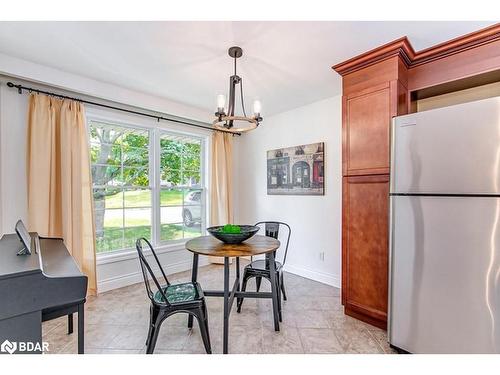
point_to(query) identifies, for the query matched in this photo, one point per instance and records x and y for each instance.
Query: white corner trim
(322, 277)
(136, 277)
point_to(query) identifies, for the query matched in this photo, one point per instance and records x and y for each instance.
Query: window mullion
(204, 188)
(123, 193)
(155, 194)
(183, 188)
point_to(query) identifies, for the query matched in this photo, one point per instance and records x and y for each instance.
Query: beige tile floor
(313, 322)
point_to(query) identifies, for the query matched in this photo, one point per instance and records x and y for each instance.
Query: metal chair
(171, 299)
(260, 268)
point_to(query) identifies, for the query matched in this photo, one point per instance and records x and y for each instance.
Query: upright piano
(36, 287)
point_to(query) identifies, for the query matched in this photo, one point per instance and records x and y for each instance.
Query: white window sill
(119, 256)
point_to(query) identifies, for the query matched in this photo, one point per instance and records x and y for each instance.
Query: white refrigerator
(444, 277)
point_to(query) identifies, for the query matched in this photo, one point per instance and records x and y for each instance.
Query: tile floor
(313, 322)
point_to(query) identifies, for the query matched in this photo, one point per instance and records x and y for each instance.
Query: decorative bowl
(247, 231)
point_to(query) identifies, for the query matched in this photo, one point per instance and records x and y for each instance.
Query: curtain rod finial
(19, 87)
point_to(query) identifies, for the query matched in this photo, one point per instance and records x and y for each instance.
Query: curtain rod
(20, 89)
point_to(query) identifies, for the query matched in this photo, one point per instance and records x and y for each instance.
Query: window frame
(203, 186)
(155, 130)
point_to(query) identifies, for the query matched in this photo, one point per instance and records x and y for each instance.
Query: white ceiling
(285, 64)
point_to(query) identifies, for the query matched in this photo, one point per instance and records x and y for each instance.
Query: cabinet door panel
(367, 125)
(365, 247)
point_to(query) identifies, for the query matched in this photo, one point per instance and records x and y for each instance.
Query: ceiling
(285, 64)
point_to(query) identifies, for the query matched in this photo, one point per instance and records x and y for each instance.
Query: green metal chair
(171, 299)
(260, 268)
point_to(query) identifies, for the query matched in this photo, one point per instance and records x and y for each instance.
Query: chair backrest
(272, 229)
(147, 271)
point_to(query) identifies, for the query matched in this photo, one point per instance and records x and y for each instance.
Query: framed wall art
(296, 170)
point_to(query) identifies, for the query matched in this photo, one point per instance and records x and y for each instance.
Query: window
(136, 169)
(180, 187)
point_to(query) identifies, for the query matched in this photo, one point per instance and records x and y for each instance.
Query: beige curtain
(59, 180)
(221, 191)
(221, 202)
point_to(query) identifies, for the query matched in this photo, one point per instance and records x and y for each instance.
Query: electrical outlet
(322, 256)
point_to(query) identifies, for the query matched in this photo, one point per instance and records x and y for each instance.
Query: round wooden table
(257, 245)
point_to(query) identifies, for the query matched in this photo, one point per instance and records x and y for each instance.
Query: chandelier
(226, 119)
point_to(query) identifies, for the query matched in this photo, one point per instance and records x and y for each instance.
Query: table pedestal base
(235, 292)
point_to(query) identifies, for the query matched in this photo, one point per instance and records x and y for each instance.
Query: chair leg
(239, 302)
(282, 283)
(258, 281)
(154, 330)
(239, 299)
(205, 312)
(150, 324)
(203, 323)
(278, 288)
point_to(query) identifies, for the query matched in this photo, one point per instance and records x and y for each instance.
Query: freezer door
(454, 149)
(444, 294)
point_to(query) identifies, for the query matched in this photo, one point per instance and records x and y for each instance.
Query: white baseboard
(136, 277)
(322, 277)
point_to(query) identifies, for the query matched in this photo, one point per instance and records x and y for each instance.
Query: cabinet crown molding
(402, 47)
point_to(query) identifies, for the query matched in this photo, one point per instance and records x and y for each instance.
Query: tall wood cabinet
(377, 86)
(370, 101)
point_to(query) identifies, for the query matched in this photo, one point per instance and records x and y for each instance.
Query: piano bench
(69, 310)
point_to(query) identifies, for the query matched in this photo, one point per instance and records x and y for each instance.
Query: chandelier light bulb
(257, 107)
(221, 102)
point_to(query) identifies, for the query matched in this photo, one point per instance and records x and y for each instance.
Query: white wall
(18, 68)
(13, 187)
(315, 220)
(112, 272)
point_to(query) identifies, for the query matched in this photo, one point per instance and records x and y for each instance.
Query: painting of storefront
(296, 170)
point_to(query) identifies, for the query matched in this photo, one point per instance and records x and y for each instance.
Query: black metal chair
(260, 268)
(171, 299)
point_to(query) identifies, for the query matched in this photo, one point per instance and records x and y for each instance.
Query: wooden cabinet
(365, 247)
(372, 96)
(367, 128)
(377, 86)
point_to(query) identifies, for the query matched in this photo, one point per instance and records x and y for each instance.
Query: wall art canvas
(296, 170)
